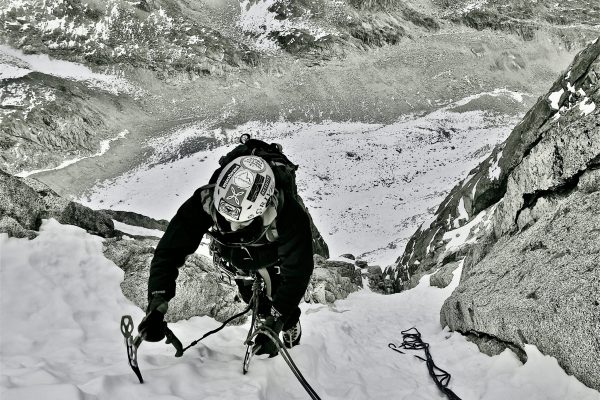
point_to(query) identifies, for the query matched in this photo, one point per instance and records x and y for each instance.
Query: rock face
(332, 280)
(525, 223)
(443, 276)
(525, 18)
(201, 289)
(25, 202)
(131, 218)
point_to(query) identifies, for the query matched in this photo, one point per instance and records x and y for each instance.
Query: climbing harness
(411, 340)
(259, 285)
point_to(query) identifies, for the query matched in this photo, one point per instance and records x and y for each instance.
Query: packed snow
(367, 186)
(61, 306)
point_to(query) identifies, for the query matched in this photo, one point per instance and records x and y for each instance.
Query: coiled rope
(411, 340)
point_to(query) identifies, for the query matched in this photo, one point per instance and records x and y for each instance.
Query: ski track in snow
(60, 310)
(367, 186)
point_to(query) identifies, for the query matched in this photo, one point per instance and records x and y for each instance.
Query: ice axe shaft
(133, 343)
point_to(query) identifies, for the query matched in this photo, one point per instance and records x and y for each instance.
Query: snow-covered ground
(367, 186)
(61, 306)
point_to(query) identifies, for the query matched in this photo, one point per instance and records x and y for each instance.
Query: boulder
(28, 201)
(200, 288)
(332, 280)
(135, 219)
(443, 276)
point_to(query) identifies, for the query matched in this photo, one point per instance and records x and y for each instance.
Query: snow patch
(257, 20)
(554, 98)
(585, 107)
(467, 233)
(495, 170)
(137, 230)
(78, 352)
(8, 71)
(462, 213)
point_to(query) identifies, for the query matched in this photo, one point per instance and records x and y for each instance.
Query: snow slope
(60, 311)
(367, 186)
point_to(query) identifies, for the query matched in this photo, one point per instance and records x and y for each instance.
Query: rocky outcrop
(525, 225)
(526, 19)
(540, 286)
(25, 202)
(135, 219)
(200, 288)
(443, 276)
(165, 39)
(332, 280)
(470, 206)
(203, 290)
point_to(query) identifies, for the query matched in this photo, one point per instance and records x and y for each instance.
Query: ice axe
(132, 343)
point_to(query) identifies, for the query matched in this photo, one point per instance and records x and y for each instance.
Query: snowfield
(61, 306)
(367, 186)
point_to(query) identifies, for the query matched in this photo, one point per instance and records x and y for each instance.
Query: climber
(251, 213)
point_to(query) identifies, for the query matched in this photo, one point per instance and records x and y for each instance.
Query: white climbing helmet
(244, 188)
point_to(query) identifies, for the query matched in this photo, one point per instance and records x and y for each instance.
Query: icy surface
(367, 186)
(79, 352)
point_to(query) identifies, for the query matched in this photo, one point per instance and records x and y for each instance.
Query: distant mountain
(146, 66)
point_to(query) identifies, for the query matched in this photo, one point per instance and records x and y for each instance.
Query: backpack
(283, 169)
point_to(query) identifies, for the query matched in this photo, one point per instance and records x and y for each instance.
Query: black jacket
(186, 229)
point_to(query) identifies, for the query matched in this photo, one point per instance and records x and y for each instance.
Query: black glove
(263, 344)
(153, 324)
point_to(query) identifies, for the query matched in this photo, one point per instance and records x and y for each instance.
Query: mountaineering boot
(292, 336)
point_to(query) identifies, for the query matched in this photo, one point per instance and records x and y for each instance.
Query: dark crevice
(492, 345)
(562, 190)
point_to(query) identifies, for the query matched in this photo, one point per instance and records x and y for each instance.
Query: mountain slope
(525, 224)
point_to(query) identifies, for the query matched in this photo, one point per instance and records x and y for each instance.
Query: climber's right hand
(153, 325)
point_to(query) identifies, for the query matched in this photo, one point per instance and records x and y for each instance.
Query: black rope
(411, 340)
(207, 334)
(288, 359)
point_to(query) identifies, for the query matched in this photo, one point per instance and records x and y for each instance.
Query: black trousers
(264, 304)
